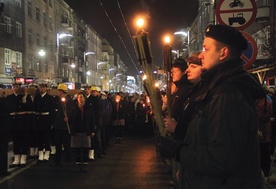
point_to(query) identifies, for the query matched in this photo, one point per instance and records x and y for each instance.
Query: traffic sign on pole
(249, 55)
(236, 13)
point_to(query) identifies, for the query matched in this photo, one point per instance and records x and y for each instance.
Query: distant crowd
(49, 128)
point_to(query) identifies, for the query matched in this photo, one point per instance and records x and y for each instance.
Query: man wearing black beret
(220, 149)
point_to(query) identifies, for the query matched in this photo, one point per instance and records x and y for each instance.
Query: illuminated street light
(41, 53)
(181, 33)
(167, 39)
(73, 65)
(140, 22)
(174, 51)
(88, 73)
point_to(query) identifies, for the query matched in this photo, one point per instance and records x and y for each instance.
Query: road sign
(249, 55)
(236, 13)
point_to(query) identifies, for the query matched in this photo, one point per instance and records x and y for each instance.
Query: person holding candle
(63, 109)
(118, 116)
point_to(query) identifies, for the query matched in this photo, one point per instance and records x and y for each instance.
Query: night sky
(164, 16)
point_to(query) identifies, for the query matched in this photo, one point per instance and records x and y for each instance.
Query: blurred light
(181, 33)
(140, 22)
(64, 35)
(41, 53)
(88, 73)
(174, 51)
(167, 39)
(144, 77)
(73, 65)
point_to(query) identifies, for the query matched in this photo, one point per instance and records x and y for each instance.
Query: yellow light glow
(140, 22)
(144, 77)
(156, 84)
(63, 99)
(167, 39)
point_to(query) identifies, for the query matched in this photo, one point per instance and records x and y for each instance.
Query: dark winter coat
(221, 148)
(59, 123)
(179, 97)
(82, 124)
(121, 112)
(43, 105)
(20, 116)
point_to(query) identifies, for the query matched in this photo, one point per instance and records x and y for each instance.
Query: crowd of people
(220, 132)
(61, 129)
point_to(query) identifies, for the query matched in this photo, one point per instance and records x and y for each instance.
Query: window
(46, 66)
(7, 24)
(50, 23)
(45, 41)
(8, 57)
(18, 29)
(17, 3)
(18, 59)
(31, 62)
(30, 9)
(44, 19)
(50, 3)
(30, 36)
(38, 65)
(37, 39)
(37, 14)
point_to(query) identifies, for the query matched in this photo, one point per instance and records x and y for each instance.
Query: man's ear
(224, 53)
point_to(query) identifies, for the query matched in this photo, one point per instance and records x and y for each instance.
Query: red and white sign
(250, 54)
(236, 13)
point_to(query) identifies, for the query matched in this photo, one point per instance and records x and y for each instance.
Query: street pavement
(132, 164)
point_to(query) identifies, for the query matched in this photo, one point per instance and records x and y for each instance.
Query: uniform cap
(42, 84)
(93, 88)
(63, 87)
(87, 86)
(98, 89)
(227, 35)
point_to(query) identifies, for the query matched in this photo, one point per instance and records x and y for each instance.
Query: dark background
(163, 17)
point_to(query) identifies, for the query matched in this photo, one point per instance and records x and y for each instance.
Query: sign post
(236, 13)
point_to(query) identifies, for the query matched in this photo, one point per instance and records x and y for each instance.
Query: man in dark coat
(221, 147)
(20, 124)
(63, 109)
(44, 110)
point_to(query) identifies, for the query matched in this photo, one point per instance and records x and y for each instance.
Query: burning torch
(65, 113)
(167, 61)
(143, 52)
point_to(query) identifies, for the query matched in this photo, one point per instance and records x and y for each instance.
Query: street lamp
(183, 35)
(60, 36)
(41, 53)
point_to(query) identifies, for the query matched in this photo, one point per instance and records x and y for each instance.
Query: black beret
(180, 63)
(227, 35)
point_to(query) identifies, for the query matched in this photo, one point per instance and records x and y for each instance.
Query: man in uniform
(43, 107)
(20, 125)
